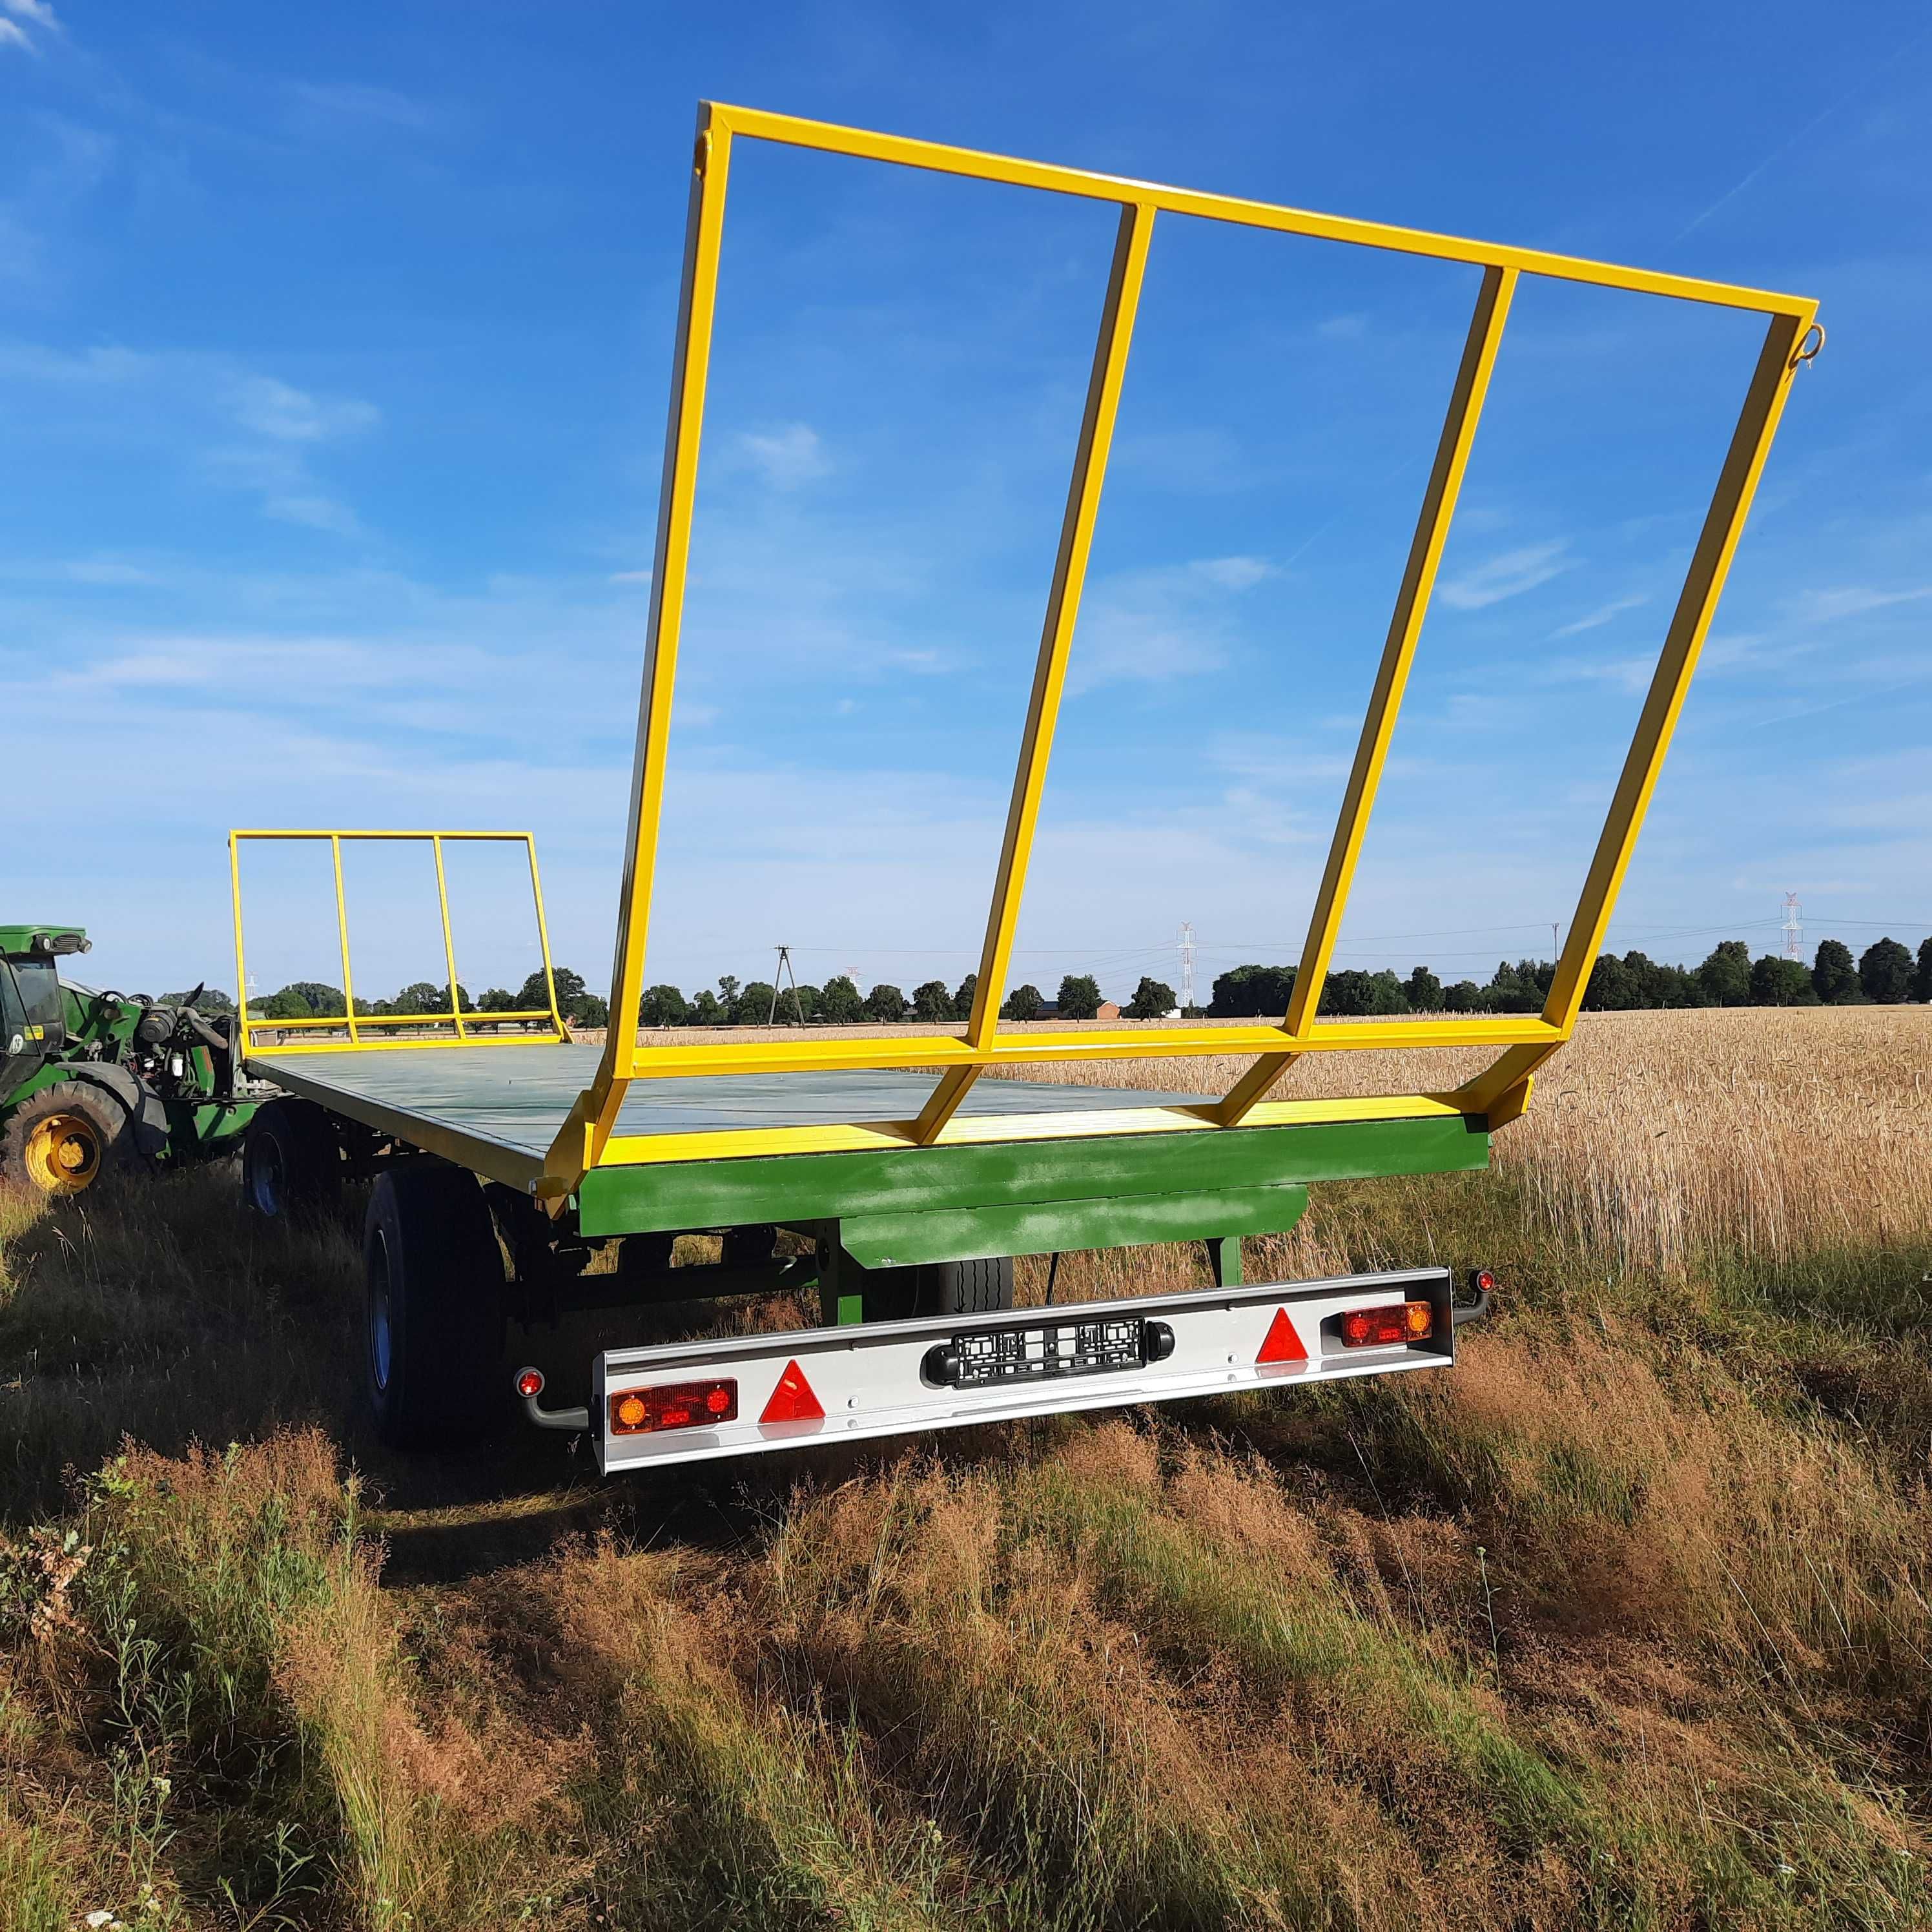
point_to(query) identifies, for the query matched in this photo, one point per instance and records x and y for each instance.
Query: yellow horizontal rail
(829, 139)
(1016, 1049)
(983, 1130)
(281, 831)
(474, 1016)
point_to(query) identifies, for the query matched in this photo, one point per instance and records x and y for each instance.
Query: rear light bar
(699, 1404)
(690, 1401)
(1386, 1326)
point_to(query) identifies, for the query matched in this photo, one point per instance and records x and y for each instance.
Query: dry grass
(1624, 1622)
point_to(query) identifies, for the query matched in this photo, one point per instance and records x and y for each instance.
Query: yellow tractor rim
(63, 1154)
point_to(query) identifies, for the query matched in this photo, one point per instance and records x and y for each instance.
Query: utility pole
(1187, 965)
(779, 972)
(1794, 928)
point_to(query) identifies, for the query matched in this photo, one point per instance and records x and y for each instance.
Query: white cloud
(1342, 328)
(1508, 575)
(1631, 674)
(350, 100)
(630, 576)
(106, 571)
(241, 427)
(1152, 624)
(37, 12)
(1200, 459)
(278, 474)
(272, 408)
(1260, 758)
(1235, 573)
(1602, 615)
(313, 512)
(787, 457)
(1823, 607)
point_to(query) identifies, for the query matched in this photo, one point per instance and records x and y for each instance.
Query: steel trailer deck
(518, 1102)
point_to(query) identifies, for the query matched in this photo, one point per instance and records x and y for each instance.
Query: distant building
(1108, 1010)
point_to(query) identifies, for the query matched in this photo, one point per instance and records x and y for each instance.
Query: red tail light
(674, 1406)
(1381, 1328)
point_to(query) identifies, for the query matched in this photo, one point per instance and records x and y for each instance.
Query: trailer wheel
(434, 1324)
(980, 1287)
(973, 1287)
(291, 1160)
(63, 1139)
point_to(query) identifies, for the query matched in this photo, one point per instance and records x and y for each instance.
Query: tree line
(839, 1003)
(317, 1000)
(1884, 974)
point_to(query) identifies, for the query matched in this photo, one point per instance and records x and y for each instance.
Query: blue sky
(333, 345)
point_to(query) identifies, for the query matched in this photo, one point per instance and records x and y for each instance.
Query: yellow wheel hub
(63, 1154)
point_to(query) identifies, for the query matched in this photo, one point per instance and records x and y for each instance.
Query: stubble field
(1625, 1622)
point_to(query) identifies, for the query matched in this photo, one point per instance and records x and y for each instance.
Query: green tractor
(93, 1082)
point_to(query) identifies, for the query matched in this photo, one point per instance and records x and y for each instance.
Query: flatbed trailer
(506, 1154)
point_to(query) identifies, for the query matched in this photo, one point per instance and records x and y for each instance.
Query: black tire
(973, 1288)
(291, 1161)
(749, 1247)
(644, 1258)
(65, 1140)
(982, 1287)
(433, 1310)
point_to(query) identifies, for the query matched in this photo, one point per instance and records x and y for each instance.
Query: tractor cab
(33, 1027)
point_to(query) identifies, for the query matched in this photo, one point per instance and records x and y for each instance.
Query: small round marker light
(530, 1383)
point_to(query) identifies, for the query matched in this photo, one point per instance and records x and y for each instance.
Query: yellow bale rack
(590, 1137)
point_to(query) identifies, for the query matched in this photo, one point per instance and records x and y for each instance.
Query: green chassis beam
(1046, 1227)
(1101, 1170)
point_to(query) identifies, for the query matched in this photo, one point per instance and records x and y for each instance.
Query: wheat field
(1625, 1622)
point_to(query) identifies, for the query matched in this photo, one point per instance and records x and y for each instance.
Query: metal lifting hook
(1808, 348)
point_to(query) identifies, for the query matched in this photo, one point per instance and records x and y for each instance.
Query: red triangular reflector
(793, 1400)
(1282, 1343)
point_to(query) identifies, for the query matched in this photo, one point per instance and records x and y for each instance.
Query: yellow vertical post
(1710, 561)
(704, 223)
(1411, 607)
(342, 937)
(241, 964)
(449, 944)
(1063, 609)
(543, 934)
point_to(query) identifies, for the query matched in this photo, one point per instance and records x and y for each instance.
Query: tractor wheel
(434, 1308)
(291, 1161)
(63, 1139)
(940, 1287)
